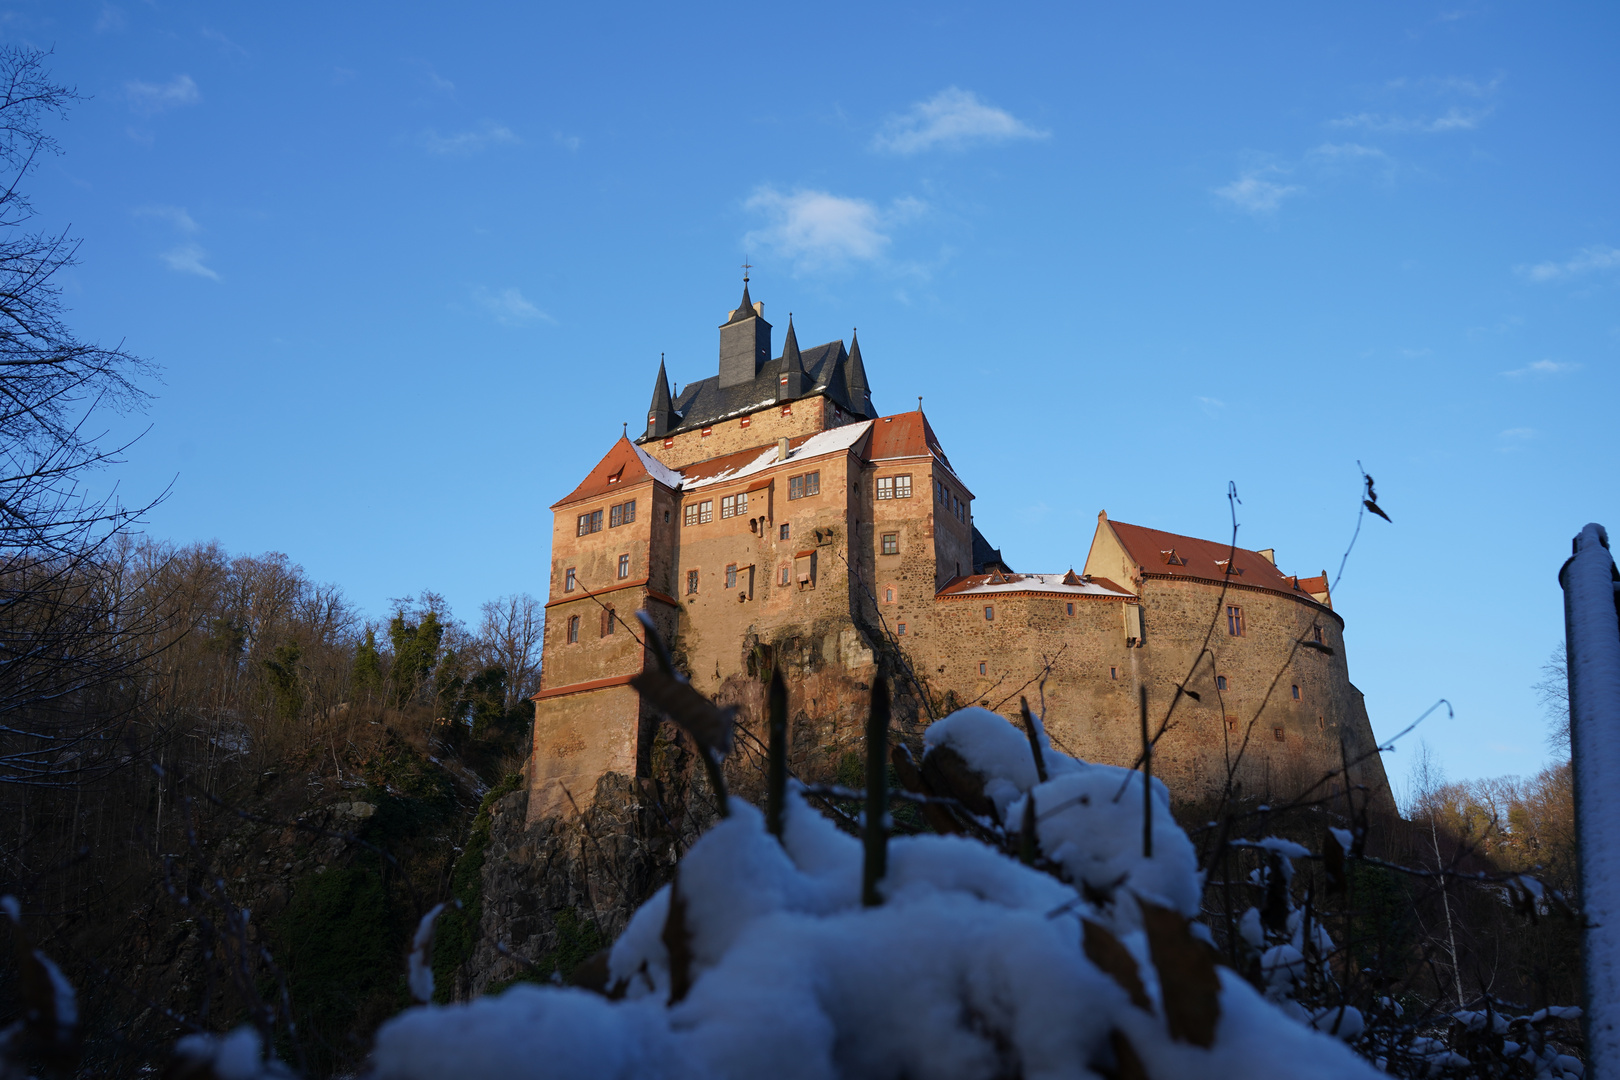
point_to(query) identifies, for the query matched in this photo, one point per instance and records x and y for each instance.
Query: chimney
(1268, 554)
(781, 449)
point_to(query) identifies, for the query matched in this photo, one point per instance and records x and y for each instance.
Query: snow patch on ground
(974, 965)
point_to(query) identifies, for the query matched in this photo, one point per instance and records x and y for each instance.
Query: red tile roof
(620, 468)
(1204, 560)
(905, 435)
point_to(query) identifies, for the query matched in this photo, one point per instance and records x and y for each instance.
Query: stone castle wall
(827, 634)
(758, 429)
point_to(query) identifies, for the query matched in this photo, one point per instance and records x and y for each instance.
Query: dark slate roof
(705, 402)
(745, 310)
(986, 557)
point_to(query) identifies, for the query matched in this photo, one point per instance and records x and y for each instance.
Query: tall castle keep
(768, 514)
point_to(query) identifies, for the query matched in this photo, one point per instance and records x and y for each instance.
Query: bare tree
(510, 632)
(61, 630)
(1552, 691)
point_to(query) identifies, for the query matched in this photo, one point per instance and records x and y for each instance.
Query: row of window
(701, 513)
(609, 620)
(591, 522)
(571, 580)
(1237, 627)
(946, 498)
(803, 568)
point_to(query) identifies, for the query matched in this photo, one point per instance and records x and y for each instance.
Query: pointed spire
(791, 380)
(860, 392)
(745, 310)
(661, 413)
(792, 360)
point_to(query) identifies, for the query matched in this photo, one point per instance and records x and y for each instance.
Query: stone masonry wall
(758, 429)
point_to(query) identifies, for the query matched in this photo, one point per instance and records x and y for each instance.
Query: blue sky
(407, 270)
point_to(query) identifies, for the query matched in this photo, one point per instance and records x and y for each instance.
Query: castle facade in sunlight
(770, 516)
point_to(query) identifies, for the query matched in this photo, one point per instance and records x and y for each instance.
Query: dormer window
(1172, 559)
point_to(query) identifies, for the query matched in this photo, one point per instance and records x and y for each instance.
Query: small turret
(860, 393)
(661, 413)
(791, 380)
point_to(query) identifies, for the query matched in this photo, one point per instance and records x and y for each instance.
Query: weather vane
(747, 266)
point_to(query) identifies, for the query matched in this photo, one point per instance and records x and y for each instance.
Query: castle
(768, 515)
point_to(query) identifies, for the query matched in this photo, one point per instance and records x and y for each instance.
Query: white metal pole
(1592, 629)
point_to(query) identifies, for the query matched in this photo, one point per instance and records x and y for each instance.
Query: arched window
(573, 629)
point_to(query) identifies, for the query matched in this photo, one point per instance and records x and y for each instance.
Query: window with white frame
(802, 487)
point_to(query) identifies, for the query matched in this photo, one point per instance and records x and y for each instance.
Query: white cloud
(226, 45)
(509, 307)
(150, 98)
(1543, 367)
(1346, 152)
(1517, 434)
(1453, 119)
(567, 142)
(1586, 260)
(1255, 194)
(110, 21)
(817, 228)
(487, 134)
(174, 215)
(188, 259)
(1210, 406)
(951, 118)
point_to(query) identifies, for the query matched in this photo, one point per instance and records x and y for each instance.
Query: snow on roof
(984, 584)
(658, 470)
(824, 442)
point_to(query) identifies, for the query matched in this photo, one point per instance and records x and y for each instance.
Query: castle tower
(745, 343)
(612, 552)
